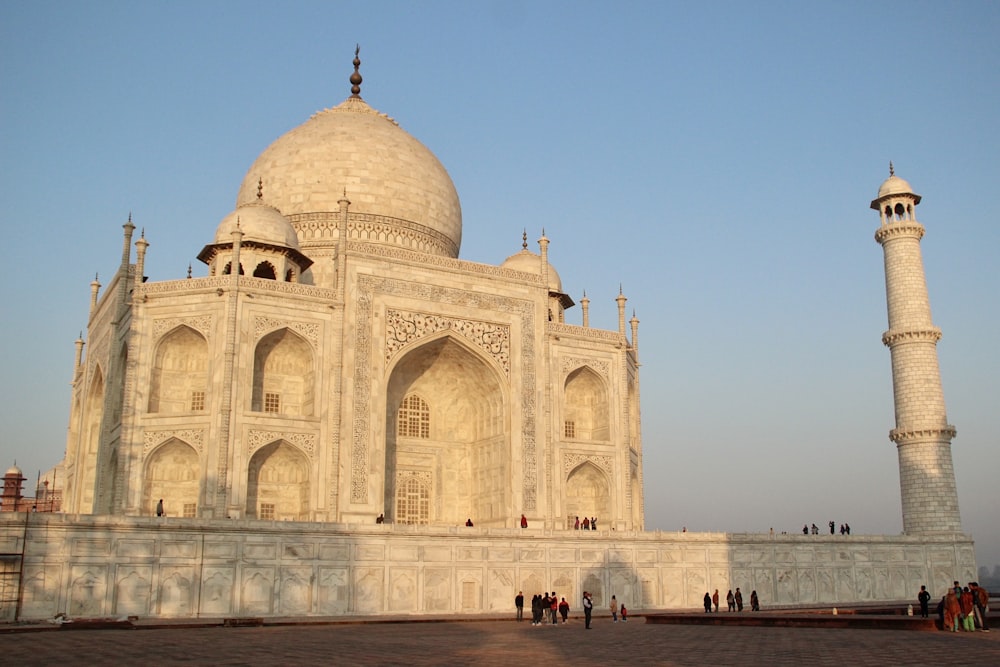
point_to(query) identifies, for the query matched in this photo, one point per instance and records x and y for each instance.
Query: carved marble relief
(404, 327)
(153, 439)
(264, 325)
(202, 324)
(306, 442)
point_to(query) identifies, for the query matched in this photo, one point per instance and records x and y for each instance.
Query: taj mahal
(323, 410)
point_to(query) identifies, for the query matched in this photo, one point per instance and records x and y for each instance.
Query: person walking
(553, 607)
(715, 600)
(739, 599)
(614, 608)
(159, 508)
(624, 614)
(754, 601)
(924, 598)
(731, 600)
(519, 605)
(564, 609)
(588, 609)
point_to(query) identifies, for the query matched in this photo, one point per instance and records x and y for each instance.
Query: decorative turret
(922, 434)
(621, 299)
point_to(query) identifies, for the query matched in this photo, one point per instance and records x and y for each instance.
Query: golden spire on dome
(524, 239)
(260, 189)
(356, 77)
(892, 171)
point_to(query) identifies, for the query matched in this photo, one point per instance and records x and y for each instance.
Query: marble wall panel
(295, 594)
(498, 592)
(470, 590)
(88, 589)
(369, 589)
(531, 555)
(258, 552)
(175, 549)
(438, 594)
(220, 550)
(176, 591)
(135, 548)
(90, 547)
(435, 554)
(564, 583)
(217, 591)
(672, 581)
(257, 591)
(648, 588)
(40, 591)
(298, 550)
(470, 553)
(500, 554)
(403, 589)
(334, 591)
(334, 552)
(533, 581)
(133, 591)
(645, 556)
(404, 553)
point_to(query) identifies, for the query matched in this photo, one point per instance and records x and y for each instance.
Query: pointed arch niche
(278, 483)
(284, 375)
(179, 379)
(91, 439)
(460, 455)
(588, 493)
(173, 473)
(586, 415)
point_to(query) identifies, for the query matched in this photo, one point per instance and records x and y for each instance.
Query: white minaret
(922, 434)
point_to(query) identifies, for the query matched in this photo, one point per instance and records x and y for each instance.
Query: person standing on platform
(159, 508)
(564, 609)
(739, 599)
(715, 600)
(924, 598)
(588, 609)
(614, 608)
(519, 605)
(708, 603)
(730, 600)
(754, 601)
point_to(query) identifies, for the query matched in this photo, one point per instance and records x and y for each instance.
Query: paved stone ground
(495, 642)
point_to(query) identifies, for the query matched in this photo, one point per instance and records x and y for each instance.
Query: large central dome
(399, 191)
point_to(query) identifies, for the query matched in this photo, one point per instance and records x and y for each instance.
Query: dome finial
(260, 189)
(892, 171)
(356, 77)
(524, 239)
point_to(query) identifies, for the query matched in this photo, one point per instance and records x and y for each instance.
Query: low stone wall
(93, 566)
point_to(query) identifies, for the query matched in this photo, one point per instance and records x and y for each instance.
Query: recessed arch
(588, 493)
(466, 454)
(179, 378)
(284, 375)
(265, 270)
(278, 483)
(173, 474)
(586, 413)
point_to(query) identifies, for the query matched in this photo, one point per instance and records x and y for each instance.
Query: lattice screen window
(569, 429)
(413, 502)
(197, 401)
(414, 420)
(267, 511)
(272, 402)
(190, 510)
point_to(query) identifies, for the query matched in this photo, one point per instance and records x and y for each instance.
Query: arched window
(228, 269)
(414, 418)
(413, 502)
(264, 270)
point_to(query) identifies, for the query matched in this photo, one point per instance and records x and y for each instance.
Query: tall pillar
(922, 434)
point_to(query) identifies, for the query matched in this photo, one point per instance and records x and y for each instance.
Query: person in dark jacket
(708, 603)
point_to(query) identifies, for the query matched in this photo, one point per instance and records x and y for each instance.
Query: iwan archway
(447, 449)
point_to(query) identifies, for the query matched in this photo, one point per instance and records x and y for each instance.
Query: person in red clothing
(968, 610)
(524, 521)
(624, 614)
(564, 609)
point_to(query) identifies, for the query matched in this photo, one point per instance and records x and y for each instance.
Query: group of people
(962, 608)
(734, 601)
(548, 608)
(541, 605)
(588, 523)
(845, 529)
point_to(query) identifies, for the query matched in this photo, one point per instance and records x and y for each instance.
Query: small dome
(894, 185)
(13, 471)
(530, 262)
(259, 223)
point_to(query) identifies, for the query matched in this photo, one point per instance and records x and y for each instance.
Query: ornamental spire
(356, 77)
(892, 171)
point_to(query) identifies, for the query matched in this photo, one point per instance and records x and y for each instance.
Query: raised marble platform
(93, 566)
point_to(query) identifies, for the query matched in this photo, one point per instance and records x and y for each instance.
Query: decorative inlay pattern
(402, 328)
(262, 325)
(192, 436)
(202, 324)
(304, 441)
(402, 476)
(261, 285)
(584, 332)
(571, 461)
(364, 364)
(931, 335)
(572, 363)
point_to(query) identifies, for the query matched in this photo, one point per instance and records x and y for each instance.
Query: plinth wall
(95, 566)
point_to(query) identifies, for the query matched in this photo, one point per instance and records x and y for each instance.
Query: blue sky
(715, 160)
